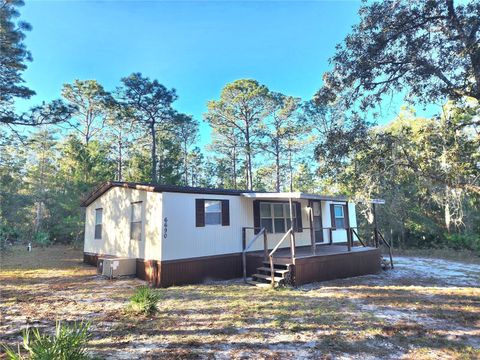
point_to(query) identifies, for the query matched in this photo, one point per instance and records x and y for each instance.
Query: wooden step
(258, 283)
(267, 277)
(278, 263)
(268, 270)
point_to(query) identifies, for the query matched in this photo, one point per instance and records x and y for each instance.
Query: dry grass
(379, 316)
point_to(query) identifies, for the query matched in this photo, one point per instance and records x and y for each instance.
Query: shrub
(42, 239)
(464, 242)
(68, 343)
(145, 300)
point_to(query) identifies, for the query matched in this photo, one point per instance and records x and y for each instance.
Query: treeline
(133, 133)
(427, 169)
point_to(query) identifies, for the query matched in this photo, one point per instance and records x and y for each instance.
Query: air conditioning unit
(114, 267)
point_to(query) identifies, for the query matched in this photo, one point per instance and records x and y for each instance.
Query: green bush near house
(145, 300)
(68, 343)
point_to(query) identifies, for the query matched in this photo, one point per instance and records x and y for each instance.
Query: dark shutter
(332, 215)
(225, 213)
(256, 215)
(199, 212)
(298, 211)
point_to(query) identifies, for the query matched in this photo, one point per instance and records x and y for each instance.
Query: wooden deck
(329, 262)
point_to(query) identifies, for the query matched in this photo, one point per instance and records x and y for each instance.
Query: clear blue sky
(196, 47)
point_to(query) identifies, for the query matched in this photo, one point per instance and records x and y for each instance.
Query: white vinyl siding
(116, 224)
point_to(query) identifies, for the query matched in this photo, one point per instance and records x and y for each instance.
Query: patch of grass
(68, 343)
(145, 300)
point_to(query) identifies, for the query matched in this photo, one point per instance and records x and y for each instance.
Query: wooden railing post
(244, 256)
(312, 233)
(265, 245)
(272, 272)
(349, 245)
(244, 238)
(292, 230)
(330, 235)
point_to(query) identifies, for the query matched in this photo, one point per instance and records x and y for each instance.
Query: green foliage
(68, 343)
(388, 52)
(425, 169)
(145, 300)
(464, 241)
(41, 239)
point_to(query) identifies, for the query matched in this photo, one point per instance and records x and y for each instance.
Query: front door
(317, 221)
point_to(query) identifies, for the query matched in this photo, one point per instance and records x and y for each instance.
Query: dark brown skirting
(149, 270)
(197, 270)
(336, 266)
(90, 258)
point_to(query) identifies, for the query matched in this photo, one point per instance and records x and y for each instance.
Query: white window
(339, 216)
(275, 217)
(98, 223)
(213, 212)
(136, 221)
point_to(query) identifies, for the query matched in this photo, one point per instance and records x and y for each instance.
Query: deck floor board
(321, 250)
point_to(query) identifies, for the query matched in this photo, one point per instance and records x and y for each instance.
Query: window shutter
(225, 213)
(256, 215)
(332, 215)
(345, 214)
(298, 210)
(199, 212)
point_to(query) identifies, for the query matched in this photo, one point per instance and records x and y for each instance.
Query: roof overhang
(293, 195)
(103, 188)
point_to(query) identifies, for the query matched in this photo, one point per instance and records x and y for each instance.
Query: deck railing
(352, 232)
(389, 246)
(292, 249)
(246, 246)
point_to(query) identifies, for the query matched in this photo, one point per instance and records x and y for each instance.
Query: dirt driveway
(424, 309)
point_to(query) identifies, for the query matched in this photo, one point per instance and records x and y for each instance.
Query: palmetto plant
(68, 343)
(145, 300)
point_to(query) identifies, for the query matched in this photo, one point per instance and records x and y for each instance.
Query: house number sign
(165, 227)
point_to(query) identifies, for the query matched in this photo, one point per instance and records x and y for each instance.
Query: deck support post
(292, 233)
(375, 227)
(312, 234)
(347, 227)
(265, 245)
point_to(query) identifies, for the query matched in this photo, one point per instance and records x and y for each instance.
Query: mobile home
(183, 235)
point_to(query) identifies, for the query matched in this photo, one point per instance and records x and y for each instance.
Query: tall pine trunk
(154, 151)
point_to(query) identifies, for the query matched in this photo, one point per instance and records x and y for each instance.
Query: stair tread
(258, 283)
(267, 277)
(283, 271)
(277, 263)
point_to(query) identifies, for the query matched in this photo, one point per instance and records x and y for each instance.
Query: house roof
(100, 190)
(293, 195)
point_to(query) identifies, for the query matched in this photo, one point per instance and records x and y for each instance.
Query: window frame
(335, 217)
(272, 217)
(133, 223)
(220, 212)
(98, 227)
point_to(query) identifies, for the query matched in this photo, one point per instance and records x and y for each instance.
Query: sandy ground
(423, 309)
